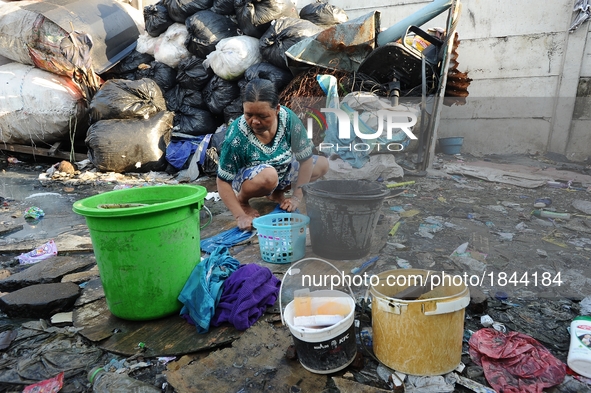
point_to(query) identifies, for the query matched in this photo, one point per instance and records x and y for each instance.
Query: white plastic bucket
(321, 349)
(328, 349)
(579, 354)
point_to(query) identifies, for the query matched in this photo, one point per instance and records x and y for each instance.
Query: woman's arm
(304, 175)
(243, 220)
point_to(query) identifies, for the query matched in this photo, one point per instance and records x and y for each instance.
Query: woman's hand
(291, 204)
(244, 222)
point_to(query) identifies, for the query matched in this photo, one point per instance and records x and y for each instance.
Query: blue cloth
(179, 151)
(203, 289)
(228, 238)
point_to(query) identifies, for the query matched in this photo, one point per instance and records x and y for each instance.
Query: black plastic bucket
(343, 216)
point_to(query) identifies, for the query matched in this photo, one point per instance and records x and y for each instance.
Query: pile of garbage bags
(182, 81)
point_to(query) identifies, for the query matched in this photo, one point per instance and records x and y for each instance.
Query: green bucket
(146, 244)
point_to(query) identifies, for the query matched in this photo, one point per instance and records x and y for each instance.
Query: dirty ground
(434, 216)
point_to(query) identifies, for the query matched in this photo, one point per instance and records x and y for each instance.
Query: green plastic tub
(146, 244)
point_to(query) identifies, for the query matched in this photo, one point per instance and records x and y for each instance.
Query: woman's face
(261, 116)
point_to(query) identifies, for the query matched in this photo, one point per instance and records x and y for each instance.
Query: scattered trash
(397, 209)
(549, 214)
(509, 358)
(542, 253)
(553, 240)
(506, 236)
(13, 160)
(497, 208)
(403, 263)
(500, 295)
(465, 200)
(213, 195)
(103, 381)
(472, 385)
(166, 359)
(34, 213)
(51, 385)
(394, 229)
(542, 202)
(409, 213)
(487, 321)
(401, 184)
(40, 253)
(580, 242)
(434, 384)
(364, 265)
(521, 226)
(556, 184)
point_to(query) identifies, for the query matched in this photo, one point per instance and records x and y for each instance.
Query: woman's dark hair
(260, 90)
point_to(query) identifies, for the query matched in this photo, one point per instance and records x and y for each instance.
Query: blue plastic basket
(282, 236)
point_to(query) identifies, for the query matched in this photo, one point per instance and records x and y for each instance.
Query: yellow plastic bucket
(419, 337)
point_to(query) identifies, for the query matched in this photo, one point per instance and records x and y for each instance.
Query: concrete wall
(531, 88)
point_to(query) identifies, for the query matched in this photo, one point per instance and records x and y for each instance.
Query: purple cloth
(246, 295)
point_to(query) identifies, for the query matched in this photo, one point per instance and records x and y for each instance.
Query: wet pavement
(531, 273)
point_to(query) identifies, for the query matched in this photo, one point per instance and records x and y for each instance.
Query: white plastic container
(579, 354)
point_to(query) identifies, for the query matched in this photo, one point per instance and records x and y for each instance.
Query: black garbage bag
(191, 74)
(279, 76)
(323, 14)
(220, 93)
(233, 111)
(178, 97)
(130, 145)
(223, 7)
(254, 16)
(206, 29)
(282, 34)
(180, 10)
(195, 121)
(162, 74)
(125, 99)
(156, 19)
(130, 64)
(192, 116)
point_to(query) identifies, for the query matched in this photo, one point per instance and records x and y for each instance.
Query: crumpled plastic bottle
(107, 382)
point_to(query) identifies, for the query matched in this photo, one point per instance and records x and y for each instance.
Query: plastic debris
(508, 361)
(364, 265)
(472, 385)
(403, 263)
(34, 213)
(41, 253)
(51, 385)
(542, 202)
(212, 195)
(13, 160)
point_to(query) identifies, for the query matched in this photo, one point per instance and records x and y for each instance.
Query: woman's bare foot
(277, 196)
(249, 210)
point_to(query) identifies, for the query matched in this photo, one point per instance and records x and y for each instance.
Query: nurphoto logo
(395, 121)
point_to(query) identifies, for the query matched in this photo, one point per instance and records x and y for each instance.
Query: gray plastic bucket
(343, 216)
